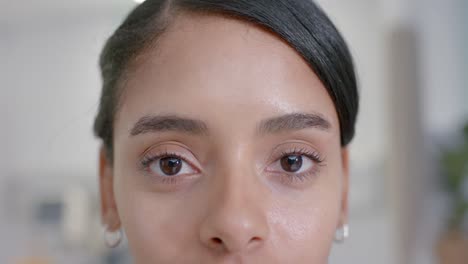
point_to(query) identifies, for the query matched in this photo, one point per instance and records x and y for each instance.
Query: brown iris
(170, 165)
(291, 163)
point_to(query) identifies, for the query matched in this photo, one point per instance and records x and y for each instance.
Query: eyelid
(154, 154)
(291, 146)
(314, 157)
(170, 180)
(295, 179)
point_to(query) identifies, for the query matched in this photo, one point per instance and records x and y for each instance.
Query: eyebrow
(283, 123)
(162, 123)
(293, 121)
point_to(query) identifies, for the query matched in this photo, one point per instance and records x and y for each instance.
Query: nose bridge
(235, 174)
(237, 184)
(237, 192)
(235, 215)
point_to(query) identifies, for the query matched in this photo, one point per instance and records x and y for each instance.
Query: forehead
(221, 70)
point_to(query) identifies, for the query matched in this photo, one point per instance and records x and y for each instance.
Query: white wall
(3, 154)
(443, 28)
(444, 108)
(49, 94)
(52, 87)
(443, 70)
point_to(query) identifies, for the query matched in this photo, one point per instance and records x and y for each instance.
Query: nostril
(217, 240)
(217, 243)
(253, 239)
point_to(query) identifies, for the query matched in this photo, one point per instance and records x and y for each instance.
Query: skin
(233, 201)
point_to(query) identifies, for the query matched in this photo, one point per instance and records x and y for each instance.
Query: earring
(342, 234)
(112, 239)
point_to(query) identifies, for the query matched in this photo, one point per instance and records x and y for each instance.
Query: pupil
(170, 165)
(291, 163)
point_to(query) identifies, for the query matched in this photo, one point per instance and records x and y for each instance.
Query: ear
(109, 213)
(344, 186)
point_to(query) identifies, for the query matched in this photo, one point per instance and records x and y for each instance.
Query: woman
(225, 127)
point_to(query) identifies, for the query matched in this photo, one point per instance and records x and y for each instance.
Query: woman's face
(226, 150)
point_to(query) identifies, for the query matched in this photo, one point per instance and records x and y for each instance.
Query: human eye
(296, 165)
(167, 167)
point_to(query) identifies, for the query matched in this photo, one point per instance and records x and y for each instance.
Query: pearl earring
(342, 234)
(112, 239)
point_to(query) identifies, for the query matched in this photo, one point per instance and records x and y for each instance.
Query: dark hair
(301, 23)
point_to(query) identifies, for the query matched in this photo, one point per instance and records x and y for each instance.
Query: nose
(235, 220)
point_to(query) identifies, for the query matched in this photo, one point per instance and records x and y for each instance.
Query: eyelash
(148, 159)
(314, 156)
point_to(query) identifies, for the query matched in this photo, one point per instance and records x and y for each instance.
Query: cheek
(156, 228)
(304, 228)
(303, 233)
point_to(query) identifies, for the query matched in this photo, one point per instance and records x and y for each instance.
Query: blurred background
(409, 168)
